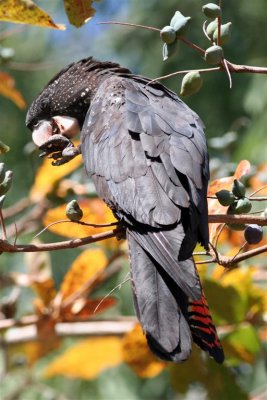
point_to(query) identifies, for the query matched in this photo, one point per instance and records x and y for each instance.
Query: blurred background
(235, 121)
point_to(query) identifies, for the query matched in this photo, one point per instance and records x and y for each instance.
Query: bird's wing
(149, 150)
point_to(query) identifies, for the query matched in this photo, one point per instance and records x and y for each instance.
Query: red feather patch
(203, 330)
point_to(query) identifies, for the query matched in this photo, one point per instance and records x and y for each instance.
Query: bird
(146, 152)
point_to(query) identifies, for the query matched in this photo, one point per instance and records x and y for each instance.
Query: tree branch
(7, 247)
(28, 333)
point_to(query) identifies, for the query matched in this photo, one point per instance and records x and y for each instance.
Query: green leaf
(226, 302)
(242, 344)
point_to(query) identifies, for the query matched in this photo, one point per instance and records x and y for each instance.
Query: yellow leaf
(87, 359)
(7, 89)
(87, 266)
(79, 11)
(45, 290)
(95, 211)
(137, 355)
(26, 12)
(48, 176)
(33, 351)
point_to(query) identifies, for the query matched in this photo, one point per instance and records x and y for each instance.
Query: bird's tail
(170, 313)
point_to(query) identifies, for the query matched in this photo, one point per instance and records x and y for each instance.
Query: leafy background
(122, 367)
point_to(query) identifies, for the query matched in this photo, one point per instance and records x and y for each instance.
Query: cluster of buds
(238, 203)
(215, 31)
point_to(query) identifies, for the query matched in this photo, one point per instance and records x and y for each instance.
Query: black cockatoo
(146, 152)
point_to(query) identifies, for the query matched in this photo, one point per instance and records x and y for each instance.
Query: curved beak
(60, 125)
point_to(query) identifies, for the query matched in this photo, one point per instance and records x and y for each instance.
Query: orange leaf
(259, 180)
(79, 11)
(87, 359)
(87, 267)
(7, 89)
(242, 169)
(137, 355)
(48, 176)
(95, 211)
(26, 12)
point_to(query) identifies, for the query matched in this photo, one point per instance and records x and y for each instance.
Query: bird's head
(61, 107)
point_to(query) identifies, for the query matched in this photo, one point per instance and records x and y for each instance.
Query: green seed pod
(241, 206)
(169, 49)
(225, 33)
(191, 83)
(236, 227)
(212, 10)
(225, 197)
(2, 199)
(7, 182)
(214, 55)
(73, 211)
(2, 171)
(238, 189)
(3, 148)
(180, 24)
(211, 28)
(168, 34)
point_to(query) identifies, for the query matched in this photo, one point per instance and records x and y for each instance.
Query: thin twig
(2, 223)
(257, 191)
(228, 72)
(76, 222)
(219, 20)
(202, 70)
(192, 45)
(150, 28)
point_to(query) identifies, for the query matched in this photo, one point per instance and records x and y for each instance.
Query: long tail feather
(203, 330)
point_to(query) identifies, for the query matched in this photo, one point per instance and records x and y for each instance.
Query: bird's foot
(60, 149)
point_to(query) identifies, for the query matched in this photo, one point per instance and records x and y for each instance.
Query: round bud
(214, 55)
(180, 24)
(191, 83)
(238, 189)
(212, 10)
(225, 197)
(73, 211)
(168, 34)
(225, 33)
(253, 234)
(240, 206)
